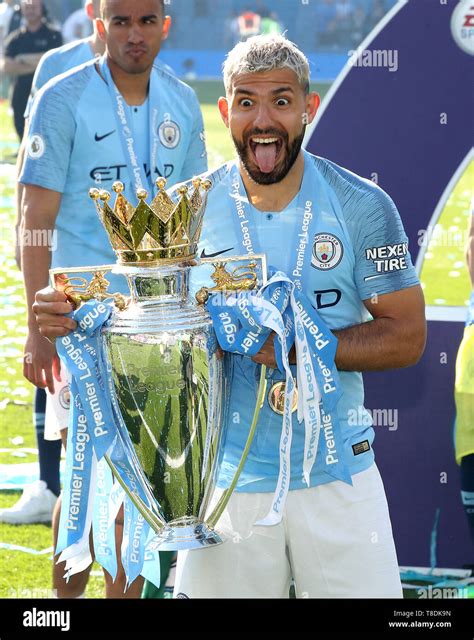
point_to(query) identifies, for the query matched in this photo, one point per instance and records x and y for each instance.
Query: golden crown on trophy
(150, 233)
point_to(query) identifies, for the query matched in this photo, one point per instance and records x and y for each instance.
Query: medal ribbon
(123, 118)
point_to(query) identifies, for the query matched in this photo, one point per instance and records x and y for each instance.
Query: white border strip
(348, 66)
(437, 571)
(446, 314)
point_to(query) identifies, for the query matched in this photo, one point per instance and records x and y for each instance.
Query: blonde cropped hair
(265, 53)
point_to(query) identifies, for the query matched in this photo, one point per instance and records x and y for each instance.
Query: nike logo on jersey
(214, 255)
(373, 277)
(99, 138)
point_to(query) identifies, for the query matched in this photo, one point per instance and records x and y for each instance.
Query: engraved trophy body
(170, 385)
(168, 376)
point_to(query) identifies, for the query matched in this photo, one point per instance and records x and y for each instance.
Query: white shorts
(335, 541)
(57, 407)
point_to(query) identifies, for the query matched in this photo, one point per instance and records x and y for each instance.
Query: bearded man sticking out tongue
(265, 116)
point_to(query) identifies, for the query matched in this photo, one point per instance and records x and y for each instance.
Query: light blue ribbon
(103, 529)
(122, 113)
(243, 323)
(96, 429)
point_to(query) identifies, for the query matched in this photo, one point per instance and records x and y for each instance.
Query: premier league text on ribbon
(303, 244)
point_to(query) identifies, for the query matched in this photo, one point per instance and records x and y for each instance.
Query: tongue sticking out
(266, 155)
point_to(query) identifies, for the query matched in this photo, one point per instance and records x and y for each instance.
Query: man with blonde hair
(327, 230)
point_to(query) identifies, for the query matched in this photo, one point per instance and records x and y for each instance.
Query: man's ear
(99, 23)
(313, 102)
(166, 27)
(90, 10)
(223, 105)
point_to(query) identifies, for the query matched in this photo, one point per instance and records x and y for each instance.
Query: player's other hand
(50, 308)
(266, 355)
(41, 363)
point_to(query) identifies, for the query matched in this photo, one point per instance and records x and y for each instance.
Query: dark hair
(102, 2)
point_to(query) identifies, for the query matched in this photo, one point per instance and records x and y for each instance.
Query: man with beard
(333, 537)
(77, 137)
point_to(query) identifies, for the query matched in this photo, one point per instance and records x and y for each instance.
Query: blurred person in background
(23, 50)
(250, 24)
(270, 24)
(77, 26)
(6, 13)
(231, 31)
(464, 397)
(326, 24)
(17, 20)
(344, 22)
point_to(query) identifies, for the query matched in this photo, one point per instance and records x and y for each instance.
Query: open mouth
(266, 151)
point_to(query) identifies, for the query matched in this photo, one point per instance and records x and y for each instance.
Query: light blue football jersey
(359, 249)
(74, 145)
(58, 61)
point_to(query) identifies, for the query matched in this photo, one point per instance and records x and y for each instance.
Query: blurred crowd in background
(325, 28)
(312, 24)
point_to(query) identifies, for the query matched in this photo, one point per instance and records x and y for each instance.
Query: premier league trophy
(169, 377)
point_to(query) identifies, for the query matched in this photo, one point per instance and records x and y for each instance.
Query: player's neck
(275, 197)
(133, 87)
(96, 44)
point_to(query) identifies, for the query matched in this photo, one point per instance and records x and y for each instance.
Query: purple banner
(401, 114)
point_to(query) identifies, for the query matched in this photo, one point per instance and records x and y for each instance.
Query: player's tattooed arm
(395, 338)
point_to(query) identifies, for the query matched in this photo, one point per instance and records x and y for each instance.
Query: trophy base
(176, 537)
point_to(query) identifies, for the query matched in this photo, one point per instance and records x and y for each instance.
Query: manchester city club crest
(170, 134)
(327, 251)
(65, 397)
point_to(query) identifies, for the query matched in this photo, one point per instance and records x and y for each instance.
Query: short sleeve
(43, 73)
(196, 155)
(50, 140)
(382, 260)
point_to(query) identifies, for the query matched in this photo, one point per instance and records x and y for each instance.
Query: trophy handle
(225, 497)
(155, 523)
(79, 289)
